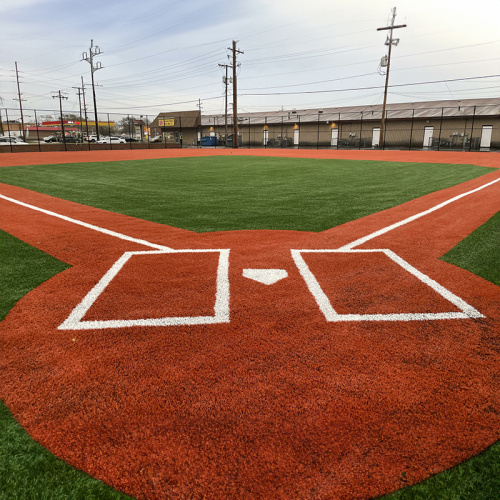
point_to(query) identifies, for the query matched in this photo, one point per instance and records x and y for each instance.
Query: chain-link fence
(469, 128)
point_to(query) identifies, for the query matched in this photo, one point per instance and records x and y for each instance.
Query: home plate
(266, 276)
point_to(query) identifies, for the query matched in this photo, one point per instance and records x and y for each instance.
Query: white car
(5, 140)
(111, 140)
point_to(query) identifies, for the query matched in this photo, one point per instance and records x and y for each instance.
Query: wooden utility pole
(93, 51)
(235, 95)
(225, 80)
(61, 97)
(390, 42)
(85, 110)
(23, 135)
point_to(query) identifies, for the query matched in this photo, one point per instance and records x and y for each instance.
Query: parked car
(111, 140)
(92, 138)
(5, 140)
(157, 138)
(130, 139)
(51, 138)
(73, 140)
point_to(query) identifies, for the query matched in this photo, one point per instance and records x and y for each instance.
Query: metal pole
(298, 145)
(8, 129)
(360, 129)
(472, 128)
(109, 132)
(281, 142)
(440, 128)
(411, 131)
(37, 132)
(317, 140)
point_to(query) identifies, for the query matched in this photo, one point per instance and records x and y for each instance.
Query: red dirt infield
(252, 391)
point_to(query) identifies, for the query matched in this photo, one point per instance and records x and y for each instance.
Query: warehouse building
(468, 124)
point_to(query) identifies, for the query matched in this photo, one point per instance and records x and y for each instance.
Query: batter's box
(157, 288)
(375, 285)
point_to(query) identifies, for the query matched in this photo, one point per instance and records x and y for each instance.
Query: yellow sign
(167, 122)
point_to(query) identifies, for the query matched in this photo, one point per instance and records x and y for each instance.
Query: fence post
(317, 139)
(411, 131)
(149, 132)
(8, 129)
(109, 132)
(37, 132)
(360, 129)
(180, 131)
(298, 145)
(440, 128)
(281, 142)
(339, 132)
(266, 132)
(472, 128)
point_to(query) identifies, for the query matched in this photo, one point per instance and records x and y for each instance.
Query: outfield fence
(465, 128)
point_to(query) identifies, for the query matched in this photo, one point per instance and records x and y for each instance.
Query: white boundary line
(88, 226)
(467, 311)
(221, 306)
(384, 230)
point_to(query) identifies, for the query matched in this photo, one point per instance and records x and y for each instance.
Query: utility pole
(390, 42)
(61, 97)
(235, 95)
(79, 93)
(85, 110)
(23, 135)
(226, 81)
(93, 51)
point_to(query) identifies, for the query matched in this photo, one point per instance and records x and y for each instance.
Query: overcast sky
(163, 55)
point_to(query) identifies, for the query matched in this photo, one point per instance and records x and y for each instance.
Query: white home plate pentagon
(157, 288)
(375, 285)
(265, 276)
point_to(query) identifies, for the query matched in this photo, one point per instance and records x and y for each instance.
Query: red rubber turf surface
(278, 402)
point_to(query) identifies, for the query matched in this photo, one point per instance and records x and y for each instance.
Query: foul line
(88, 226)
(384, 230)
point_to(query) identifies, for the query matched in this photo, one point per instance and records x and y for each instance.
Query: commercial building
(468, 124)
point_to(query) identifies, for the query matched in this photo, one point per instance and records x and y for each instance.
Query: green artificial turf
(226, 193)
(151, 191)
(480, 252)
(27, 470)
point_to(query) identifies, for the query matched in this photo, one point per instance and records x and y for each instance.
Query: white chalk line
(331, 315)
(221, 308)
(88, 226)
(386, 229)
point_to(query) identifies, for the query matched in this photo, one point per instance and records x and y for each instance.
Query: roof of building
(188, 119)
(407, 110)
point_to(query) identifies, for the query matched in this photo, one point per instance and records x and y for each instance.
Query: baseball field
(249, 324)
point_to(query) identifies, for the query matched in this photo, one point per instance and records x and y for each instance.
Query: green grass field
(212, 194)
(224, 193)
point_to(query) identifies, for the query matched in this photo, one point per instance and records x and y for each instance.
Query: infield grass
(224, 193)
(152, 191)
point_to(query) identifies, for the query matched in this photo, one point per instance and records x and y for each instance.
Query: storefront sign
(167, 122)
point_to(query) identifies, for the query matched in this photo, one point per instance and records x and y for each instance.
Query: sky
(164, 55)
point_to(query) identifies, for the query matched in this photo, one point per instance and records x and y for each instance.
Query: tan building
(177, 127)
(468, 124)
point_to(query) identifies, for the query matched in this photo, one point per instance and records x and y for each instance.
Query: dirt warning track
(255, 364)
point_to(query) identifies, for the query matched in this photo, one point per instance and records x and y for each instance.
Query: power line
(370, 88)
